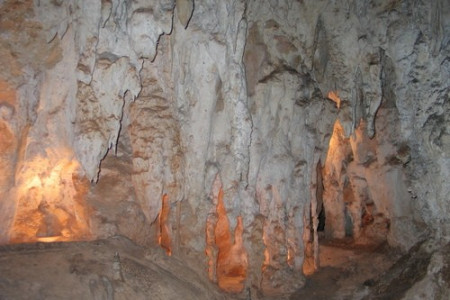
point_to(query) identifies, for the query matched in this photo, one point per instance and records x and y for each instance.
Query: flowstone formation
(221, 130)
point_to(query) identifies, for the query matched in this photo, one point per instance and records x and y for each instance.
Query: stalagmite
(164, 236)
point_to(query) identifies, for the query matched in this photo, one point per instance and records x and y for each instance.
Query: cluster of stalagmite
(225, 127)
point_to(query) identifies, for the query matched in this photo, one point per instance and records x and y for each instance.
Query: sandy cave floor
(118, 269)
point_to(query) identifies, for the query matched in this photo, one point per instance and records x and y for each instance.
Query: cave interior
(224, 149)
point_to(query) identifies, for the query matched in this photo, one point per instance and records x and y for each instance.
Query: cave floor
(106, 269)
(346, 270)
(118, 269)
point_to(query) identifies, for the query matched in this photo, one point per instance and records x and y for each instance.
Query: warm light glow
(231, 268)
(164, 239)
(222, 230)
(33, 182)
(50, 200)
(290, 258)
(336, 138)
(49, 239)
(334, 96)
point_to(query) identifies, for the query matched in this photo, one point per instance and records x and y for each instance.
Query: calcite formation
(226, 127)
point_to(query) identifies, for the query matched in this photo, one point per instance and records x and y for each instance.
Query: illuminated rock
(164, 239)
(120, 117)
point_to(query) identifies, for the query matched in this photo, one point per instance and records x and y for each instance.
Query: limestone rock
(185, 8)
(125, 117)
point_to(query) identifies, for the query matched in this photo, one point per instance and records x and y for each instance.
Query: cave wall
(221, 111)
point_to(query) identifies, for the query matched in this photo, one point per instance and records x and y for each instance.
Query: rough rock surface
(422, 273)
(128, 117)
(104, 269)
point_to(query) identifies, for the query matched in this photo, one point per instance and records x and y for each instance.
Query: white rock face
(164, 99)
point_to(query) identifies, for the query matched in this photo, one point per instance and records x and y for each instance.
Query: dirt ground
(118, 269)
(105, 269)
(346, 270)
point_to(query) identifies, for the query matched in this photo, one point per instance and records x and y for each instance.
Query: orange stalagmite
(222, 230)
(232, 262)
(336, 138)
(164, 239)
